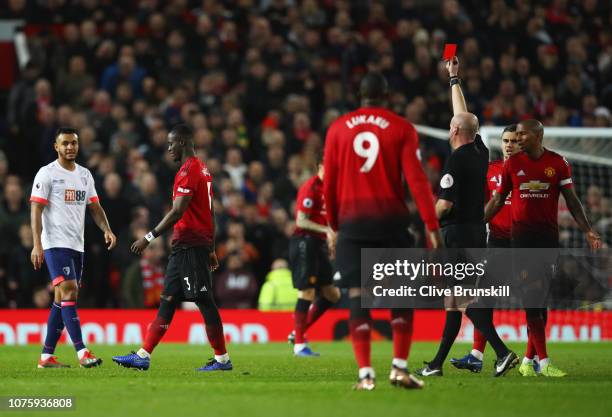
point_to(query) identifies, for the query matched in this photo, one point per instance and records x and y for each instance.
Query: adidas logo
(203, 288)
(521, 173)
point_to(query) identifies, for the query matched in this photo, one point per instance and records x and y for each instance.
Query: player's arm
(498, 199)
(303, 222)
(443, 208)
(37, 256)
(494, 205)
(330, 180)
(457, 98)
(575, 207)
(419, 187)
(99, 216)
(179, 206)
(213, 260)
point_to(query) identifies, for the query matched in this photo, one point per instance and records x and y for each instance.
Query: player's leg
(360, 328)
(402, 320)
(329, 294)
(452, 325)
(300, 316)
(303, 275)
(169, 300)
(55, 326)
(214, 332)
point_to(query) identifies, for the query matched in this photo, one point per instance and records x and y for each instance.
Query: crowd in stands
(259, 82)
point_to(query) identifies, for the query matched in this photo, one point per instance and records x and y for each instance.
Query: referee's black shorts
(348, 254)
(188, 275)
(465, 235)
(309, 261)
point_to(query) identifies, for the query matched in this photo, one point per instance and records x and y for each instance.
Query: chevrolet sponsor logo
(534, 186)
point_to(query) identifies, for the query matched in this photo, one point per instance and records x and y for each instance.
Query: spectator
(277, 293)
(143, 281)
(236, 287)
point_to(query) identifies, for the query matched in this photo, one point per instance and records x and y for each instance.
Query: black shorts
(310, 264)
(494, 242)
(188, 275)
(348, 254)
(465, 235)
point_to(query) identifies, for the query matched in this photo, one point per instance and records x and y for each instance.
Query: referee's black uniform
(463, 183)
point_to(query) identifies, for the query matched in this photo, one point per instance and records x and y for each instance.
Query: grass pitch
(268, 381)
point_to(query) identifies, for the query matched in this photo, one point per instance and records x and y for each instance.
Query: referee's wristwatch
(455, 80)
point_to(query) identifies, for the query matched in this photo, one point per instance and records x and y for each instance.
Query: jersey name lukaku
(310, 202)
(535, 187)
(463, 183)
(195, 228)
(65, 195)
(366, 153)
(501, 224)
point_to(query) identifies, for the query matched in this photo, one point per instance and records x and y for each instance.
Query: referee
(460, 209)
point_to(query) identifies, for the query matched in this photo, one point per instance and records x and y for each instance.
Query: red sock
(401, 326)
(157, 329)
(300, 317)
(530, 353)
(480, 342)
(361, 330)
(216, 338)
(537, 334)
(316, 310)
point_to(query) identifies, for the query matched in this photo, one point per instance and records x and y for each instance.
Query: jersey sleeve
(306, 199)
(417, 180)
(330, 179)
(565, 174)
(448, 182)
(92, 194)
(41, 188)
(188, 181)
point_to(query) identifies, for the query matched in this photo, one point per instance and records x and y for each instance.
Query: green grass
(268, 381)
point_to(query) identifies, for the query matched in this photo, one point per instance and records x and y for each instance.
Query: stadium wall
(20, 327)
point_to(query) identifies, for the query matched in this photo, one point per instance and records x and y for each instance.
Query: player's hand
(140, 245)
(594, 240)
(37, 257)
(332, 238)
(452, 66)
(436, 239)
(213, 261)
(110, 239)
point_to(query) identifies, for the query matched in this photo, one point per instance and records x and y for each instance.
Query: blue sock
(55, 326)
(73, 325)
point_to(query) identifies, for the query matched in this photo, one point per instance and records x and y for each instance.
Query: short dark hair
(182, 132)
(509, 128)
(373, 86)
(66, 131)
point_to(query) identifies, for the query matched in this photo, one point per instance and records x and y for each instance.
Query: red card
(450, 50)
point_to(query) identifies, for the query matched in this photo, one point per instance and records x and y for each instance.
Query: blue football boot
(469, 362)
(133, 361)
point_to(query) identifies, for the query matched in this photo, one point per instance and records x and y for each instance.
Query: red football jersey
(195, 228)
(500, 225)
(310, 202)
(535, 187)
(366, 152)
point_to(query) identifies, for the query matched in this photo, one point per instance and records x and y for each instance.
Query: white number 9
(370, 153)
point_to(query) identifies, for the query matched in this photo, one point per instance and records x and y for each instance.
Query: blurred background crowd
(260, 81)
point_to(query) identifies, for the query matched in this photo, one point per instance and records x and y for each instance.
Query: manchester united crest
(549, 171)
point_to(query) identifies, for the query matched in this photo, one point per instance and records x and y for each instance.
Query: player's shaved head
(466, 122)
(182, 133)
(373, 87)
(534, 126)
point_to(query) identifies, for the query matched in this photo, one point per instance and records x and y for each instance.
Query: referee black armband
(455, 80)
